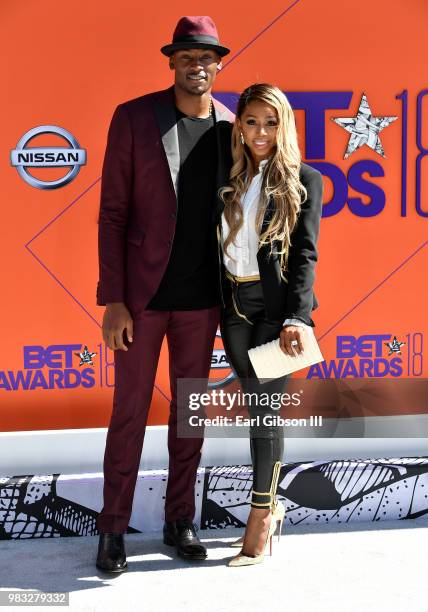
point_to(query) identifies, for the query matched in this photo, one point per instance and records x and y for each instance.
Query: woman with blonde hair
(268, 244)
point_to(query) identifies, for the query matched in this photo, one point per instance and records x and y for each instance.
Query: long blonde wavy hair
(280, 181)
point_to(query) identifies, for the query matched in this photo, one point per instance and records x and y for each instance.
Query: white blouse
(246, 244)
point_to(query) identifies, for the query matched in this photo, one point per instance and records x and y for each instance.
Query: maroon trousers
(190, 335)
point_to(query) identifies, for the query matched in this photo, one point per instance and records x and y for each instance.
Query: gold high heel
(277, 511)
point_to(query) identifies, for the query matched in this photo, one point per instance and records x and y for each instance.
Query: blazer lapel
(224, 154)
(167, 122)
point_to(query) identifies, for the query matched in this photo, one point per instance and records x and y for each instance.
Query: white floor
(356, 567)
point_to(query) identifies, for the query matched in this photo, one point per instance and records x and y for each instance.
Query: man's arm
(116, 189)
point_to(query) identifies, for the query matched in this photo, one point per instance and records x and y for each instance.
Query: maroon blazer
(138, 208)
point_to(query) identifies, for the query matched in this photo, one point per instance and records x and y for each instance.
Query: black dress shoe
(111, 553)
(182, 535)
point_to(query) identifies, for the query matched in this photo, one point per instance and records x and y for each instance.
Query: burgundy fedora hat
(195, 33)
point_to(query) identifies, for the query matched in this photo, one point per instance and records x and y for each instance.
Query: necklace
(210, 112)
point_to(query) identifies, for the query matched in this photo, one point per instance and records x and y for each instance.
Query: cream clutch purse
(269, 361)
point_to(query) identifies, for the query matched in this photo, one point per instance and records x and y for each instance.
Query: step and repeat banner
(358, 85)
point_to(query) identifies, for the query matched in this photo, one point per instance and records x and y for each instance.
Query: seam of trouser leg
(212, 314)
(133, 417)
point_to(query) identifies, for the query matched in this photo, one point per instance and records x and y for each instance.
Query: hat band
(201, 38)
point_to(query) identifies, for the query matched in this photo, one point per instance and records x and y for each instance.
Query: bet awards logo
(373, 356)
(25, 157)
(52, 367)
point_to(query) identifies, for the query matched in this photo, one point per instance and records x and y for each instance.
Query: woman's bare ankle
(256, 531)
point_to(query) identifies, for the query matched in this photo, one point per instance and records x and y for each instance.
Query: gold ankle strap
(272, 492)
(261, 504)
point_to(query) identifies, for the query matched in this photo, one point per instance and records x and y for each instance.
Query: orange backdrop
(69, 65)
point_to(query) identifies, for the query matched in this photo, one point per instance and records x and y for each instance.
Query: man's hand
(289, 334)
(116, 319)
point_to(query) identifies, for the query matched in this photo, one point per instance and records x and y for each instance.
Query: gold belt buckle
(242, 279)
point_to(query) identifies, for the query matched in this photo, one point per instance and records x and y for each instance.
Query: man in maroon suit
(167, 154)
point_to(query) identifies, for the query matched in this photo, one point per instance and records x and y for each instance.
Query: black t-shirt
(190, 281)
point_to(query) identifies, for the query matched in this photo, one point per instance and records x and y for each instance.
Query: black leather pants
(239, 333)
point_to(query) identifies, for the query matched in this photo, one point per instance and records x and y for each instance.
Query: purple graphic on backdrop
(373, 356)
(364, 129)
(58, 366)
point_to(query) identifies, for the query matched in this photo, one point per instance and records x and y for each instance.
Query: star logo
(394, 346)
(85, 356)
(364, 128)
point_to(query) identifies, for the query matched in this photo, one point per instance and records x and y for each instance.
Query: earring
(242, 138)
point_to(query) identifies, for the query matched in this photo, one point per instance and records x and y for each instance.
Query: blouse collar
(263, 163)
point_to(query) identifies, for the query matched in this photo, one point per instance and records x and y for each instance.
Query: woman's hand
(292, 339)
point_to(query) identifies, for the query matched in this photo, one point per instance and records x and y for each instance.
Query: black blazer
(296, 298)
